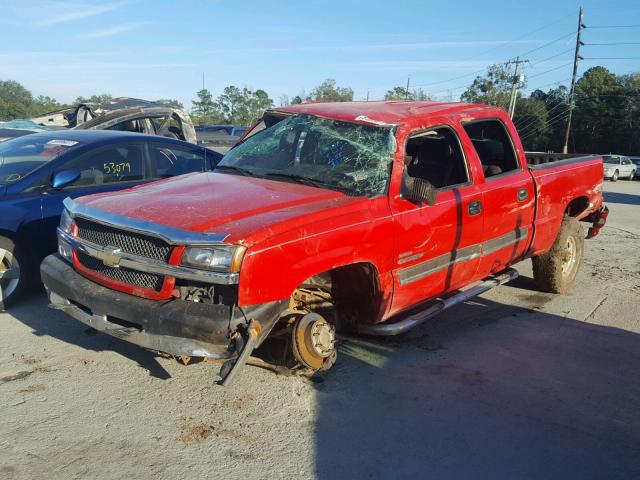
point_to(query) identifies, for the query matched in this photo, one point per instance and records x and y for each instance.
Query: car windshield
(21, 156)
(344, 156)
(611, 160)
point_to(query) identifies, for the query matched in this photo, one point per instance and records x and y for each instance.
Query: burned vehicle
(368, 217)
(124, 114)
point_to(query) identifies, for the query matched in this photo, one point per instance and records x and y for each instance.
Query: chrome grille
(129, 242)
(125, 275)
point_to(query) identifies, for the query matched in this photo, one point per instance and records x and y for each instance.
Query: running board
(396, 328)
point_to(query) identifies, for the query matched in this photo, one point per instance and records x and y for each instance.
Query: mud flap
(244, 345)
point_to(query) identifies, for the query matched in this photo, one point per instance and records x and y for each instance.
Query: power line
(613, 26)
(521, 126)
(614, 43)
(551, 57)
(524, 127)
(550, 70)
(549, 43)
(611, 58)
(548, 123)
(500, 46)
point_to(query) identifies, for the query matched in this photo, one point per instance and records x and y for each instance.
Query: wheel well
(354, 289)
(577, 206)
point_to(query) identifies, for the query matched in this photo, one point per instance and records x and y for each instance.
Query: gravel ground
(513, 384)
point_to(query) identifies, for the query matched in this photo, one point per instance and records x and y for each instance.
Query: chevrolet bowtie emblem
(110, 256)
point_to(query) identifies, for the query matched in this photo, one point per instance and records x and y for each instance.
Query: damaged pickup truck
(364, 217)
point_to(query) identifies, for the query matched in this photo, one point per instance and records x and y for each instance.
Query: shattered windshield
(344, 156)
(21, 156)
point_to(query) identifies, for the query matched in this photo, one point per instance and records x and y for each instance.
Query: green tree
(401, 93)
(101, 98)
(327, 91)
(243, 106)
(15, 100)
(170, 102)
(530, 118)
(205, 109)
(43, 104)
(493, 88)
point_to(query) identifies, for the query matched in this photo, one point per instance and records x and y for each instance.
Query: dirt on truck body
(365, 216)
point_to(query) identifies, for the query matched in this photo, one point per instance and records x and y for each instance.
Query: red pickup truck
(363, 216)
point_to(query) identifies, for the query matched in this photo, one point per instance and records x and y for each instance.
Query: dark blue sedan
(38, 171)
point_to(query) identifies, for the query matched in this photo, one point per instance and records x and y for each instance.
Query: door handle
(523, 194)
(475, 207)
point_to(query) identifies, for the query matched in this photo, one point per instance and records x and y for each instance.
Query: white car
(618, 166)
(636, 162)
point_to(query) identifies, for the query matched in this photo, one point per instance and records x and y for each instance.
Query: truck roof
(389, 111)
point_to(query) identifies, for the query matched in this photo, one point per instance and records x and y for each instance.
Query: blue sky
(159, 49)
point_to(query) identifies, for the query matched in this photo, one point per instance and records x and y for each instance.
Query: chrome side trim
(492, 246)
(429, 267)
(144, 264)
(171, 235)
(433, 265)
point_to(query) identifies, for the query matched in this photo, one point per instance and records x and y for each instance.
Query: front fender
(273, 272)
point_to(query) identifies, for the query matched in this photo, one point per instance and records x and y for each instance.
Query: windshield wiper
(232, 168)
(306, 181)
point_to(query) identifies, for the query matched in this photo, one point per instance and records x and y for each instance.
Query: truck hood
(219, 203)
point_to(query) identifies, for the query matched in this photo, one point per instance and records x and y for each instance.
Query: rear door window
(113, 164)
(170, 160)
(493, 145)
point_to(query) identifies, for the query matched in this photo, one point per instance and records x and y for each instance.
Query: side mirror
(417, 190)
(64, 177)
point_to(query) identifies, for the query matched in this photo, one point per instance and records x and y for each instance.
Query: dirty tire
(614, 177)
(556, 270)
(12, 258)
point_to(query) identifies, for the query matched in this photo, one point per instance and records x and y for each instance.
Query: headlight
(225, 258)
(66, 222)
(66, 225)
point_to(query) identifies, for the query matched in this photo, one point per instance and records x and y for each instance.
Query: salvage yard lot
(515, 383)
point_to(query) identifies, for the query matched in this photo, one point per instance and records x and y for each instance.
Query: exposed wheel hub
(313, 341)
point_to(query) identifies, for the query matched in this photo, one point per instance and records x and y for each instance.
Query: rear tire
(556, 270)
(14, 267)
(614, 177)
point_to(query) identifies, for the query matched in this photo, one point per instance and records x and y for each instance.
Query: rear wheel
(614, 177)
(13, 270)
(556, 270)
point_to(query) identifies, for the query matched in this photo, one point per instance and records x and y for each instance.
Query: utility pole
(367, 94)
(407, 90)
(203, 80)
(576, 58)
(517, 78)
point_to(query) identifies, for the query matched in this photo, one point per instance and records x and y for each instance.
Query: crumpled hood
(218, 203)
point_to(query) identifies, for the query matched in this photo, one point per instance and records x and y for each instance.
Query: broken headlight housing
(220, 258)
(66, 225)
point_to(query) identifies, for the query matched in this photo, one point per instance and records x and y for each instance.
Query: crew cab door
(436, 245)
(508, 194)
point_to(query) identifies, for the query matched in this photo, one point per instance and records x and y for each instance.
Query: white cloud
(69, 13)
(115, 30)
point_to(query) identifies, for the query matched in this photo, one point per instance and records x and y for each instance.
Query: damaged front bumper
(176, 327)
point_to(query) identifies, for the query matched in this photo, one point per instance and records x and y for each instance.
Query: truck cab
(326, 217)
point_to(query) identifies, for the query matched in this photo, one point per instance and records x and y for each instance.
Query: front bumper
(176, 327)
